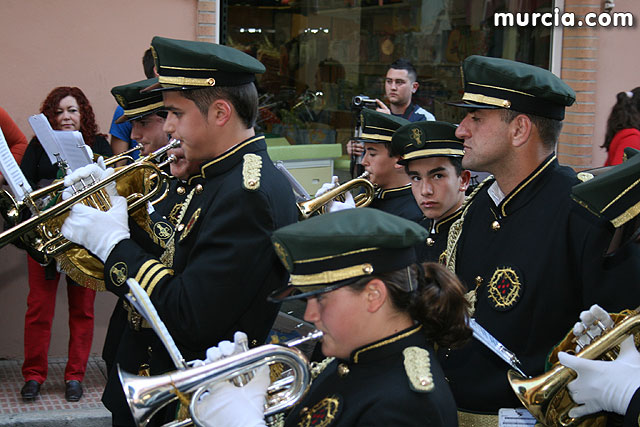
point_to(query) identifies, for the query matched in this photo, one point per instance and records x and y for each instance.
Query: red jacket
(621, 140)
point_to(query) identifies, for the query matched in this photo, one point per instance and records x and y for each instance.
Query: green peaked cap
(332, 250)
(187, 64)
(378, 127)
(502, 83)
(134, 103)
(424, 139)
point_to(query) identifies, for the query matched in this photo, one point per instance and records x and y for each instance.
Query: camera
(363, 101)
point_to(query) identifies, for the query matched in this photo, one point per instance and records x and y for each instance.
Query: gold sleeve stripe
(161, 274)
(146, 278)
(143, 269)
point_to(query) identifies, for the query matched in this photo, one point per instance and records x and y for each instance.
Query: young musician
(219, 265)
(432, 157)
(380, 312)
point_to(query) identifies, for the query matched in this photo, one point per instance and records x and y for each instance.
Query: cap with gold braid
(378, 127)
(186, 64)
(419, 140)
(134, 103)
(329, 251)
(502, 83)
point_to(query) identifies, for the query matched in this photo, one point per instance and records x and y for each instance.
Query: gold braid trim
(456, 228)
(167, 256)
(316, 368)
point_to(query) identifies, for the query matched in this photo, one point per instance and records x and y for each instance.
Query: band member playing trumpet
(394, 190)
(219, 266)
(531, 258)
(432, 157)
(129, 337)
(380, 312)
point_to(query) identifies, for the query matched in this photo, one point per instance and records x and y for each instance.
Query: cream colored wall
(618, 70)
(94, 45)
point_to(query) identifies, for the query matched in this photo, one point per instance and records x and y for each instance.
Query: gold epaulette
(418, 368)
(251, 169)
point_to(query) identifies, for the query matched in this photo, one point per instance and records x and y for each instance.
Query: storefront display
(319, 54)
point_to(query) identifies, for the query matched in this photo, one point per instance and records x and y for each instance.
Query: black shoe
(30, 390)
(73, 391)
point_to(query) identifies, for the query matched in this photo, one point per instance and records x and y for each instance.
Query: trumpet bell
(546, 396)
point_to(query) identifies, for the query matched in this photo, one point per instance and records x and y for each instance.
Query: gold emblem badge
(505, 288)
(322, 414)
(190, 224)
(418, 137)
(120, 99)
(284, 256)
(162, 230)
(118, 273)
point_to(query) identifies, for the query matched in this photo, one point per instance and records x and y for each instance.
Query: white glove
(590, 325)
(225, 404)
(327, 186)
(604, 386)
(95, 230)
(86, 176)
(335, 206)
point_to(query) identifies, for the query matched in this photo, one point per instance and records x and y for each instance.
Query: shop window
(319, 54)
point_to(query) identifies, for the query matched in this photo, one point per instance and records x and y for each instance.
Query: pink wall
(618, 70)
(92, 45)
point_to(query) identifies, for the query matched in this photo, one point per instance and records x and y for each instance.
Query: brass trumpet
(140, 181)
(547, 396)
(125, 155)
(317, 204)
(147, 395)
(40, 219)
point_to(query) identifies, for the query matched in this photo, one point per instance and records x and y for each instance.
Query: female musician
(67, 109)
(381, 315)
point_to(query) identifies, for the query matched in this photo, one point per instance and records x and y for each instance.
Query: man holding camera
(399, 86)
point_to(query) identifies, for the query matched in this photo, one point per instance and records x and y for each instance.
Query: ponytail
(438, 303)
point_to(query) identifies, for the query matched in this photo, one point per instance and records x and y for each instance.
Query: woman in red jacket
(623, 126)
(67, 109)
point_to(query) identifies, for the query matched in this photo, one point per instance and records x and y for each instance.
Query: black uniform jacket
(537, 260)
(221, 265)
(161, 225)
(398, 201)
(376, 391)
(431, 250)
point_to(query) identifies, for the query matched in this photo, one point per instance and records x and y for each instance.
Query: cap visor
(289, 293)
(124, 118)
(466, 104)
(121, 119)
(151, 88)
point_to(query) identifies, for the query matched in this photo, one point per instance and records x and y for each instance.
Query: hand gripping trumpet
(317, 204)
(147, 395)
(547, 397)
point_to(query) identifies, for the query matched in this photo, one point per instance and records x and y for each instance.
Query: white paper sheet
(12, 172)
